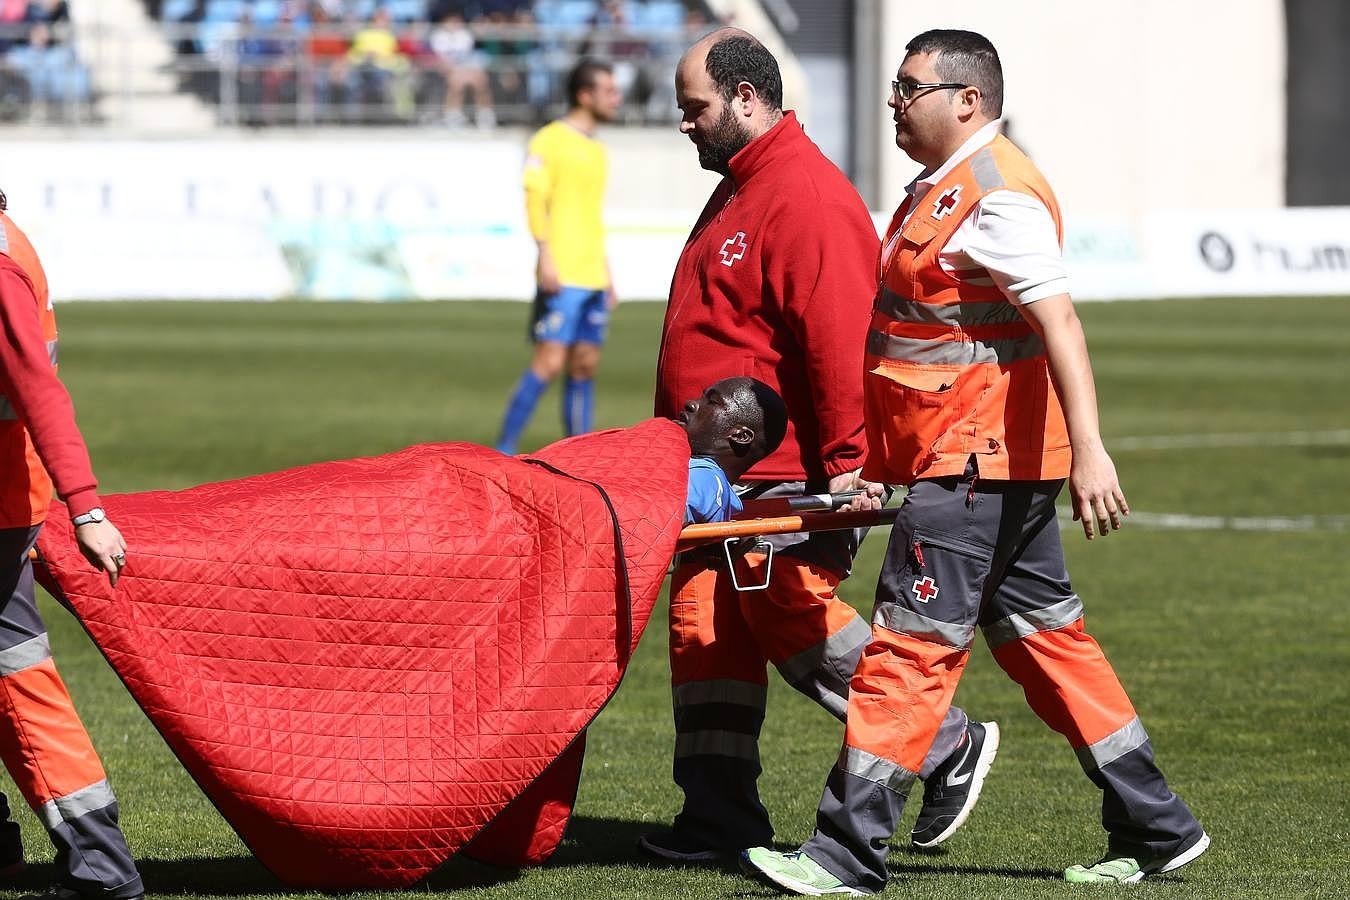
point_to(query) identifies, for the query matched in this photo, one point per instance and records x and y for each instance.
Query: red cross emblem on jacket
(925, 589)
(734, 243)
(946, 203)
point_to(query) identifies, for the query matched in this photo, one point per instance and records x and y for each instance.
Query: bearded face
(721, 142)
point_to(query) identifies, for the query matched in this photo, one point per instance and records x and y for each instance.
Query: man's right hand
(102, 544)
(546, 273)
(871, 498)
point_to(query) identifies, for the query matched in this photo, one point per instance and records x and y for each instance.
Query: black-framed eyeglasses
(903, 90)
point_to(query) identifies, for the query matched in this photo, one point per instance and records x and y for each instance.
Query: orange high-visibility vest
(25, 488)
(953, 368)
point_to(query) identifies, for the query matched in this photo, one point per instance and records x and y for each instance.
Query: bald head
(729, 57)
(730, 92)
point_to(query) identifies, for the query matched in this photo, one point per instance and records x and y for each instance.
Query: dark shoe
(670, 846)
(951, 792)
(11, 850)
(56, 892)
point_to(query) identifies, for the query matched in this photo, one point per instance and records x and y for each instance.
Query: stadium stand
(41, 76)
(449, 63)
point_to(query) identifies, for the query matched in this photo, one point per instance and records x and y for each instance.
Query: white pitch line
(1186, 522)
(1242, 439)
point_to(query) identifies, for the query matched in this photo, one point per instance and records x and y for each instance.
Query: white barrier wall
(386, 220)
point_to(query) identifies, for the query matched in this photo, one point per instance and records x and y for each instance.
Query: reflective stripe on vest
(25, 488)
(953, 368)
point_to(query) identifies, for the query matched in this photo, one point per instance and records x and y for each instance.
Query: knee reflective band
(51, 759)
(898, 699)
(719, 718)
(1021, 625)
(1069, 684)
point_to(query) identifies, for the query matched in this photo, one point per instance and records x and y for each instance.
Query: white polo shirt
(1009, 233)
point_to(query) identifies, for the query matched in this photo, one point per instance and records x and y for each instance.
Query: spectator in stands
(378, 67)
(266, 63)
(12, 16)
(49, 12)
(53, 73)
(325, 57)
(533, 62)
(611, 37)
(462, 65)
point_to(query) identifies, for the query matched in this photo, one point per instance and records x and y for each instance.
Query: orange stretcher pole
(694, 535)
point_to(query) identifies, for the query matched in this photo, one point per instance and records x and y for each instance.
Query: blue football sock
(518, 410)
(578, 406)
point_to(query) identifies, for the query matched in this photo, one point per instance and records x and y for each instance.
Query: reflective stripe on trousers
(957, 560)
(47, 750)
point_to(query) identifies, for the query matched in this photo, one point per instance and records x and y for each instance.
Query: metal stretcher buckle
(760, 546)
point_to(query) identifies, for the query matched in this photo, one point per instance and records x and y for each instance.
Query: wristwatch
(92, 517)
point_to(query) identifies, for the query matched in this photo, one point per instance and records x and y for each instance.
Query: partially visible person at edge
(733, 425)
(44, 744)
(775, 282)
(979, 396)
(565, 172)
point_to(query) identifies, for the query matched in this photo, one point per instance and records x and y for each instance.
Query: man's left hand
(102, 544)
(1098, 501)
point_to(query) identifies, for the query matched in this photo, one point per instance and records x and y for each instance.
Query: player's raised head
(737, 421)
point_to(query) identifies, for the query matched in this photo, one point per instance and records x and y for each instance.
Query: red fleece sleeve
(37, 395)
(822, 273)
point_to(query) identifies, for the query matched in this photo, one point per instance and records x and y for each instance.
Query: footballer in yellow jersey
(565, 173)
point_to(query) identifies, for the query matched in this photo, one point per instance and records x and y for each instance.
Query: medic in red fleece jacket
(776, 282)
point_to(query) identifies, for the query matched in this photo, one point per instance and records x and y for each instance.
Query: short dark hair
(583, 76)
(964, 57)
(775, 414)
(739, 57)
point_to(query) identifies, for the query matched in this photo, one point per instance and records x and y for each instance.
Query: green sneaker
(794, 872)
(1122, 870)
(1127, 870)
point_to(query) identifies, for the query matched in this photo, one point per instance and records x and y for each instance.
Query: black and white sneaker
(672, 847)
(951, 792)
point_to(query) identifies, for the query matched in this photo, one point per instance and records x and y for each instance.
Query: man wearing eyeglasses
(979, 396)
(774, 282)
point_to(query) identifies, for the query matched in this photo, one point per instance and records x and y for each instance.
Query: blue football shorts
(570, 316)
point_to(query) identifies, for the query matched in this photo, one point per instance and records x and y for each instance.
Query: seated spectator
(325, 58)
(12, 16)
(266, 63)
(378, 67)
(612, 38)
(462, 65)
(48, 12)
(53, 73)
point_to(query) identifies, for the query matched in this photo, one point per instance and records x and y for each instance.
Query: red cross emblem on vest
(736, 241)
(946, 203)
(925, 589)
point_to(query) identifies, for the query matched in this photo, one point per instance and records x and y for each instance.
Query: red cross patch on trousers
(946, 203)
(925, 589)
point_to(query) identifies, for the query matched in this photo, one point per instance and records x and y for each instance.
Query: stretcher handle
(769, 507)
(695, 535)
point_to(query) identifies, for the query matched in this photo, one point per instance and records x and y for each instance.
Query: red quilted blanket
(363, 663)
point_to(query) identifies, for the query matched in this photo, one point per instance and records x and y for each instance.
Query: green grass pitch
(1234, 641)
